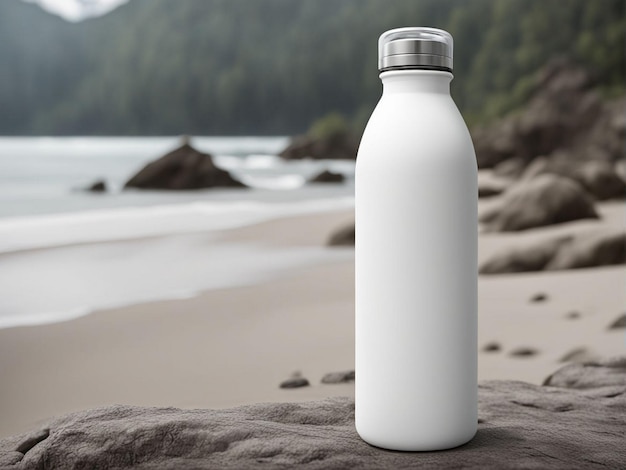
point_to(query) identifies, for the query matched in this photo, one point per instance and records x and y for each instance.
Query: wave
(127, 223)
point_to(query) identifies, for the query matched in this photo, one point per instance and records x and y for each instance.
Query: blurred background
(177, 192)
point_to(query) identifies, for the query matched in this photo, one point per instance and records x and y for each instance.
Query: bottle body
(416, 268)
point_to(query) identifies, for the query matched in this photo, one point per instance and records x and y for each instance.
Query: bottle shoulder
(416, 124)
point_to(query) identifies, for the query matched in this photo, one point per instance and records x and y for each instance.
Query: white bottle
(416, 248)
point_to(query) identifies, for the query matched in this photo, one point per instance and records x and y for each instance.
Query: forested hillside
(274, 66)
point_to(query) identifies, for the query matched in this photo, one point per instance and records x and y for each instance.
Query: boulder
(598, 177)
(336, 146)
(327, 176)
(342, 237)
(183, 168)
(577, 421)
(601, 180)
(564, 112)
(619, 323)
(544, 200)
(585, 250)
(486, 190)
(99, 186)
(511, 168)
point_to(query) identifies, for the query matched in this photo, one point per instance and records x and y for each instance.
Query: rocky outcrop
(598, 177)
(343, 236)
(576, 421)
(337, 146)
(544, 200)
(183, 168)
(585, 250)
(327, 176)
(565, 113)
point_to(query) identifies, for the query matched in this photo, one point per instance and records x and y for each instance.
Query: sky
(76, 10)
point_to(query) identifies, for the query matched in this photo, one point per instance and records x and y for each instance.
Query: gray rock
(590, 249)
(581, 355)
(619, 323)
(183, 168)
(573, 315)
(338, 377)
(340, 146)
(596, 376)
(512, 168)
(343, 237)
(489, 190)
(99, 186)
(294, 382)
(544, 200)
(576, 422)
(539, 297)
(563, 113)
(523, 351)
(492, 347)
(598, 177)
(327, 176)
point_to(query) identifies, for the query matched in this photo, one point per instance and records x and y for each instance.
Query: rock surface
(576, 422)
(598, 177)
(338, 377)
(99, 186)
(343, 237)
(328, 177)
(183, 168)
(544, 200)
(564, 113)
(585, 250)
(295, 382)
(338, 146)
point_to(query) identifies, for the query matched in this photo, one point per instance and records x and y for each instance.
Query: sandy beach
(235, 345)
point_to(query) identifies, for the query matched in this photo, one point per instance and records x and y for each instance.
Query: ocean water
(65, 252)
(45, 175)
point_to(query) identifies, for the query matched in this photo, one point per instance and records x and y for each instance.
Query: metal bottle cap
(415, 48)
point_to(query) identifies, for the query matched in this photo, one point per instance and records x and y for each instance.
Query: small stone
(619, 323)
(524, 351)
(573, 315)
(99, 186)
(295, 383)
(327, 176)
(540, 297)
(338, 377)
(492, 347)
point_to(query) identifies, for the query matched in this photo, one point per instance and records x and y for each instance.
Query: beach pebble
(295, 382)
(492, 347)
(523, 351)
(620, 322)
(539, 297)
(338, 377)
(573, 315)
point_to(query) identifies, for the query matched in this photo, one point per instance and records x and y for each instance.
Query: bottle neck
(416, 81)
